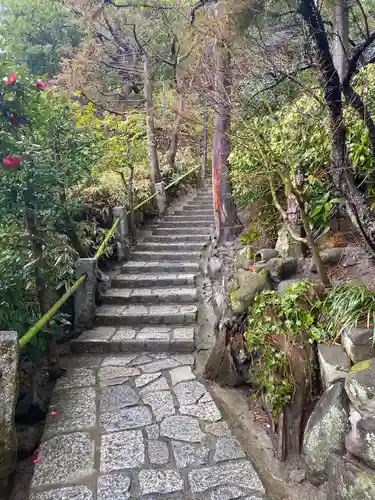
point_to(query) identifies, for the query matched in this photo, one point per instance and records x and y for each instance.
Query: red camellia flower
(12, 78)
(251, 268)
(12, 161)
(14, 121)
(40, 85)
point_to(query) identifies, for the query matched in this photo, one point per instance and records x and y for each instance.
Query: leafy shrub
(295, 316)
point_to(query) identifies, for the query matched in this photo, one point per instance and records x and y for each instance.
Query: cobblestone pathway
(130, 420)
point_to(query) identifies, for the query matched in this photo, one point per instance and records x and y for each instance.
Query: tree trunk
(155, 176)
(175, 135)
(45, 303)
(227, 223)
(340, 45)
(357, 207)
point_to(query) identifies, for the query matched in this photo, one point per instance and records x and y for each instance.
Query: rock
(330, 257)
(228, 449)
(281, 269)
(161, 403)
(188, 393)
(214, 266)
(126, 418)
(287, 246)
(325, 431)
(360, 387)
(297, 475)
(360, 441)
(158, 452)
(244, 258)
(115, 485)
(265, 254)
(349, 480)
(244, 287)
(160, 481)
(229, 474)
(189, 454)
(122, 450)
(67, 458)
(358, 343)
(69, 493)
(118, 396)
(205, 411)
(334, 364)
(157, 366)
(182, 428)
(181, 374)
(285, 284)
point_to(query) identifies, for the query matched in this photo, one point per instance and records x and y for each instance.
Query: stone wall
(9, 356)
(339, 439)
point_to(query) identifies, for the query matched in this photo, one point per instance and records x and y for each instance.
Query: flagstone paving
(130, 420)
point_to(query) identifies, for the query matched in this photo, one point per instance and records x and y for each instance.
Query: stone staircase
(130, 420)
(151, 305)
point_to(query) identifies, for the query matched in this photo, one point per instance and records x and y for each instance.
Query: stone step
(115, 340)
(151, 246)
(181, 218)
(196, 238)
(149, 279)
(174, 295)
(199, 204)
(160, 267)
(162, 256)
(198, 210)
(171, 314)
(193, 211)
(165, 231)
(184, 223)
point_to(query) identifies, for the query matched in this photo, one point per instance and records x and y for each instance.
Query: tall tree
(227, 223)
(38, 33)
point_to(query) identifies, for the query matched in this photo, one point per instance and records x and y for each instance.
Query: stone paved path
(130, 420)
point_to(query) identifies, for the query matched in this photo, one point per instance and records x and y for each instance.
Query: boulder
(360, 387)
(287, 246)
(334, 364)
(244, 258)
(285, 284)
(281, 269)
(360, 441)
(325, 431)
(243, 288)
(329, 256)
(358, 343)
(265, 254)
(348, 479)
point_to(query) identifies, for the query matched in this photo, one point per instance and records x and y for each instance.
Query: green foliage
(347, 306)
(292, 317)
(56, 155)
(38, 33)
(322, 205)
(250, 237)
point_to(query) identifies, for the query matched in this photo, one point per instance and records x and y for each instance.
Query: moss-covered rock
(244, 286)
(244, 258)
(349, 479)
(325, 431)
(360, 387)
